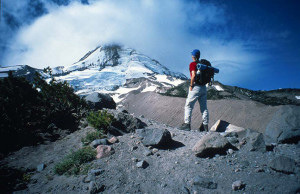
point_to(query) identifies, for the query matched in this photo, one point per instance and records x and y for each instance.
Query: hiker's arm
(192, 80)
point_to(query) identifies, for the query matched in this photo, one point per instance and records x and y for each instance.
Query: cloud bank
(164, 30)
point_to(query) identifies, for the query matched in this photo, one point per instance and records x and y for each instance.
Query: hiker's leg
(203, 105)
(190, 102)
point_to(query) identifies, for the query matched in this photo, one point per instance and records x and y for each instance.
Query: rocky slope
(170, 168)
(170, 110)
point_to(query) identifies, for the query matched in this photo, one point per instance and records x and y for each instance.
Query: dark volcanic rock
(124, 123)
(204, 183)
(283, 164)
(284, 126)
(211, 144)
(142, 164)
(98, 101)
(155, 137)
(255, 140)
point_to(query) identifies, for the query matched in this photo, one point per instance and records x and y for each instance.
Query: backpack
(206, 75)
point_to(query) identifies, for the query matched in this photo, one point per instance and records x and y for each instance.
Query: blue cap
(196, 53)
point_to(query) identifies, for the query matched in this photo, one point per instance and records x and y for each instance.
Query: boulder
(124, 123)
(211, 144)
(254, 140)
(238, 185)
(224, 126)
(113, 140)
(155, 137)
(283, 164)
(104, 151)
(142, 164)
(97, 142)
(284, 127)
(98, 101)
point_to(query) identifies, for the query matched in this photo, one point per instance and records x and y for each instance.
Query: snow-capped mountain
(112, 69)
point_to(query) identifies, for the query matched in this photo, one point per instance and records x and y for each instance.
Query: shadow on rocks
(171, 145)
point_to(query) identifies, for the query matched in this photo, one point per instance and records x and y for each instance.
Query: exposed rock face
(211, 144)
(283, 164)
(284, 126)
(155, 137)
(98, 101)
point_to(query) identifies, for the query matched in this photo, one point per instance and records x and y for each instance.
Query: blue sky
(255, 44)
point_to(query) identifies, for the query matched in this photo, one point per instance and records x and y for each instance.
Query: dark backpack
(204, 76)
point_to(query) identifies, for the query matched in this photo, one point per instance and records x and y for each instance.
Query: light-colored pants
(198, 93)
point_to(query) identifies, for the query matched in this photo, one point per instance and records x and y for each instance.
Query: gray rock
(211, 144)
(283, 164)
(255, 140)
(238, 185)
(142, 164)
(147, 153)
(92, 187)
(40, 167)
(284, 126)
(224, 126)
(124, 123)
(233, 140)
(98, 101)
(89, 178)
(96, 172)
(155, 137)
(97, 142)
(204, 183)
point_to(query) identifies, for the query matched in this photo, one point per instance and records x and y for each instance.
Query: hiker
(196, 92)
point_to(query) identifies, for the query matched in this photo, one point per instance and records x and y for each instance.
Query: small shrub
(72, 164)
(101, 120)
(91, 136)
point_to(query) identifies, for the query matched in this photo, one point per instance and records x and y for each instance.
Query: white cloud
(162, 30)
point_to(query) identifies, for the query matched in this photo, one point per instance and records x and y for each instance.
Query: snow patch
(121, 91)
(217, 87)
(168, 79)
(297, 97)
(149, 89)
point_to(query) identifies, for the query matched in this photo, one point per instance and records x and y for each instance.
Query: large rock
(254, 140)
(155, 137)
(211, 144)
(284, 126)
(98, 101)
(283, 164)
(224, 126)
(124, 123)
(104, 151)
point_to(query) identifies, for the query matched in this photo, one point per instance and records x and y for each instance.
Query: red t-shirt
(193, 67)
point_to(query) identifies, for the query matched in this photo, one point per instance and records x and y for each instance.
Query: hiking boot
(185, 127)
(203, 127)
